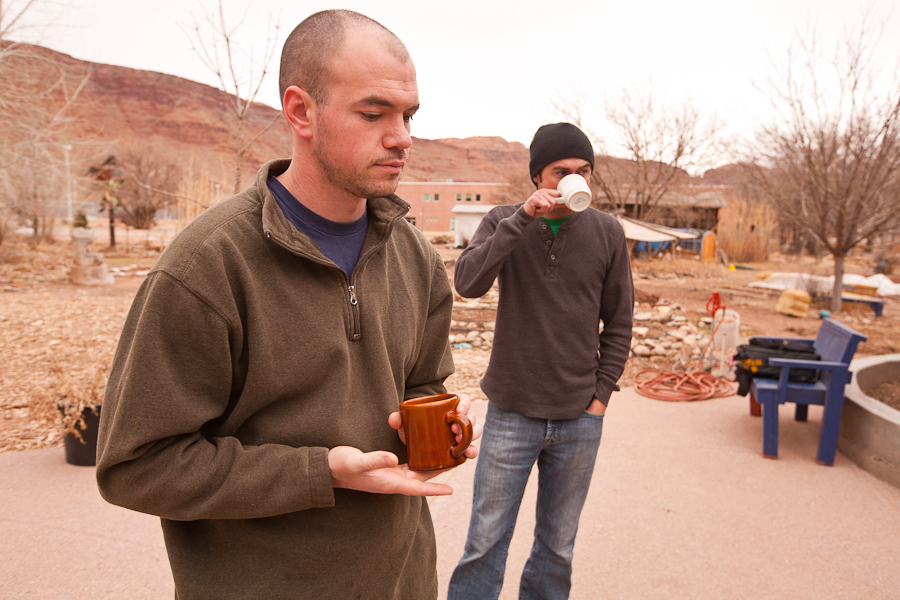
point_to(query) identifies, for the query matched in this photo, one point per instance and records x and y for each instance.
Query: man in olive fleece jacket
(252, 400)
(551, 370)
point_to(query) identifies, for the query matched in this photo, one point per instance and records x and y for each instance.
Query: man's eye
(407, 118)
(371, 116)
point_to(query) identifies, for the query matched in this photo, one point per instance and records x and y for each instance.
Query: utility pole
(67, 148)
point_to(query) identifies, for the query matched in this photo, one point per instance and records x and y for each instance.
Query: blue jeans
(565, 452)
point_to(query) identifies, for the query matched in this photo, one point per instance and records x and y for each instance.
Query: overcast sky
(490, 67)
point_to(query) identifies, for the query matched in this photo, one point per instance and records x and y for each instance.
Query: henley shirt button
(543, 226)
(552, 257)
(549, 243)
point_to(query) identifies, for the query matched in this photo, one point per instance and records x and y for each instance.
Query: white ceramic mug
(575, 192)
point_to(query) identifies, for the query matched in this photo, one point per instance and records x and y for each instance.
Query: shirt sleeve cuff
(320, 490)
(603, 392)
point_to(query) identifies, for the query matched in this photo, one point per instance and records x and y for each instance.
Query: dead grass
(56, 342)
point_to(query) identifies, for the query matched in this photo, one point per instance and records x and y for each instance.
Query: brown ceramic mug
(430, 443)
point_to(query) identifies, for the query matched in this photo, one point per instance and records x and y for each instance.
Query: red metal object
(714, 304)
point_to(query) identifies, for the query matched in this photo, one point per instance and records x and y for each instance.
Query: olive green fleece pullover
(247, 354)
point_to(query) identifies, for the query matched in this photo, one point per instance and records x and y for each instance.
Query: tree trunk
(112, 227)
(838, 288)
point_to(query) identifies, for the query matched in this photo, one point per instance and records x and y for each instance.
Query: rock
(91, 275)
(658, 351)
(643, 316)
(641, 350)
(487, 336)
(640, 331)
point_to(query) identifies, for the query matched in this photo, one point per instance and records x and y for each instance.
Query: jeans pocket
(588, 415)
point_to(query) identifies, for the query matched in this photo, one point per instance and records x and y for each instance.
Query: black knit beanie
(557, 142)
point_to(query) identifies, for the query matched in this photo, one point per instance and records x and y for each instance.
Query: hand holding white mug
(542, 202)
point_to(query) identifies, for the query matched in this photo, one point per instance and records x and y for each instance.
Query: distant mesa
(120, 104)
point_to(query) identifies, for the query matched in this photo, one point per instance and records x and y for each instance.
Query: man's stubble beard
(355, 182)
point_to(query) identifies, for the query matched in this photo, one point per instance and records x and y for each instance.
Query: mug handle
(465, 426)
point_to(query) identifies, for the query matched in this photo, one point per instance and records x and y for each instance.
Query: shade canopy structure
(638, 231)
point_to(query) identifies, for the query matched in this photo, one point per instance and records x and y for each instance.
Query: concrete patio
(682, 506)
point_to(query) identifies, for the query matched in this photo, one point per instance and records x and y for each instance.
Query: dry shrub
(69, 394)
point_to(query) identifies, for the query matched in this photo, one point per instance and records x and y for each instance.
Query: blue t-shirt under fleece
(341, 242)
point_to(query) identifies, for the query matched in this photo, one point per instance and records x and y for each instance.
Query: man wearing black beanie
(561, 274)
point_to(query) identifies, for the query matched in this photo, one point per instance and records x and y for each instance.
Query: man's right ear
(299, 110)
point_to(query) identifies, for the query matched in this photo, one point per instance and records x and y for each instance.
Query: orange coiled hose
(682, 387)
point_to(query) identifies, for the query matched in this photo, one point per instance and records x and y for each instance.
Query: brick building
(431, 203)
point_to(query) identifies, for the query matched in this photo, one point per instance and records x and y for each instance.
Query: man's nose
(398, 137)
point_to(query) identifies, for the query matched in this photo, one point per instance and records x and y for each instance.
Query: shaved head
(306, 58)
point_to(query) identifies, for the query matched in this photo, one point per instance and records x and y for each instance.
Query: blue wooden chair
(835, 344)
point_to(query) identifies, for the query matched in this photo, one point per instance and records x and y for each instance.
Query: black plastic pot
(83, 452)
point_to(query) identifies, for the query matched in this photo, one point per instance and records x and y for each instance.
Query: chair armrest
(818, 365)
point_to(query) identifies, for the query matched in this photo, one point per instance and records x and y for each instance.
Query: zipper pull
(352, 290)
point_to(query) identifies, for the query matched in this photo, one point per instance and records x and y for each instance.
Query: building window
(477, 197)
(468, 197)
(452, 224)
(459, 197)
(437, 197)
(427, 197)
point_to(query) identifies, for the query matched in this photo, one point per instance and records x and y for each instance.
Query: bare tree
(657, 142)
(240, 75)
(153, 176)
(834, 150)
(519, 187)
(37, 94)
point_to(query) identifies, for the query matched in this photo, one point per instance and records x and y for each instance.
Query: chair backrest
(836, 342)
